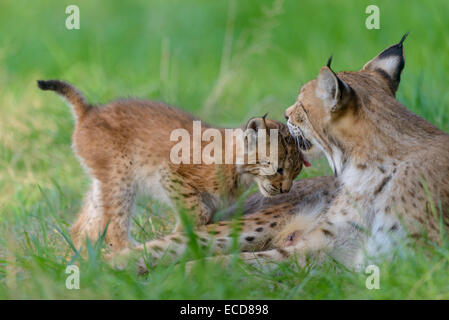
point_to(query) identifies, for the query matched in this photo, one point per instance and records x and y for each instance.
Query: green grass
(224, 62)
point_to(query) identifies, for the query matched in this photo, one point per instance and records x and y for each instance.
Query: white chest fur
(370, 190)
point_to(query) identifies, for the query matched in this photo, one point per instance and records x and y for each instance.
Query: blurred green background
(224, 61)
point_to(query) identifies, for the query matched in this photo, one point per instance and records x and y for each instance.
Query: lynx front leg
(255, 232)
(266, 260)
(269, 259)
(314, 244)
(194, 206)
(186, 197)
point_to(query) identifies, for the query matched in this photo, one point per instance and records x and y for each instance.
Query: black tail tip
(54, 85)
(45, 85)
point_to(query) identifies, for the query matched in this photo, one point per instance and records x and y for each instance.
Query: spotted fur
(265, 223)
(391, 172)
(392, 165)
(125, 148)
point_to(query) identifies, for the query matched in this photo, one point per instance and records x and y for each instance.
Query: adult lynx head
(354, 116)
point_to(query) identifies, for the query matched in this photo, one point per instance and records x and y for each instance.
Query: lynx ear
(389, 63)
(253, 126)
(251, 134)
(257, 123)
(332, 90)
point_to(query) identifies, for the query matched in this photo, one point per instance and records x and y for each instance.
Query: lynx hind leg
(118, 198)
(89, 223)
(108, 204)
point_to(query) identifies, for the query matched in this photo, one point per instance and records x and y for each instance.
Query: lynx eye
(280, 171)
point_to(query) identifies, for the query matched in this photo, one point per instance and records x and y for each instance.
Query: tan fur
(391, 168)
(383, 155)
(125, 147)
(265, 220)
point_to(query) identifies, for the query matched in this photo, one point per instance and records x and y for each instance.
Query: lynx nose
(288, 112)
(284, 190)
(286, 186)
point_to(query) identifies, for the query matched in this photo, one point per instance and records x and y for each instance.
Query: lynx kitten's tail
(70, 93)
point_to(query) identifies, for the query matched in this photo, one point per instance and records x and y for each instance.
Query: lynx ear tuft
(403, 38)
(329, 61)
